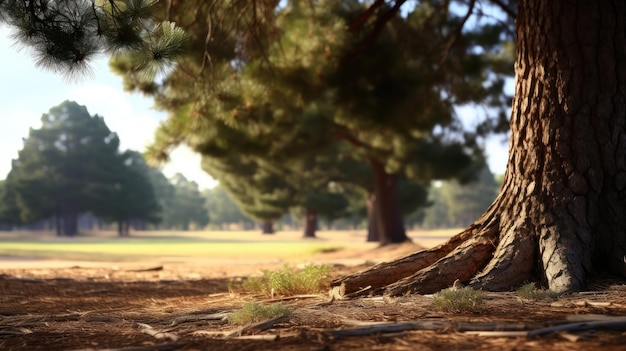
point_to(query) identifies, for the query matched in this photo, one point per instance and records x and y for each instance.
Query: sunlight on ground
(225, 246)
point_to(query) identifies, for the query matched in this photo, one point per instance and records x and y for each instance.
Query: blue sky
(26, 92)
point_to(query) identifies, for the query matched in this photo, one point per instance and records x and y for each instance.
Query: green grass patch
(290, 281)
(458, 300)
(531, 292)
(254, 312)
(139, 249)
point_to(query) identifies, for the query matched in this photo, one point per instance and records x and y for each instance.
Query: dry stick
(617, 323)
(162, 347)
(199, 317)
(293, 297)
(259, 326)
(484, 329)
(151, 269)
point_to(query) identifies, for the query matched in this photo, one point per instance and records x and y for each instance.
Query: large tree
(560, 216)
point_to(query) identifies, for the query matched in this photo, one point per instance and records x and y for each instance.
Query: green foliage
(254, 312)
(277, 115)
(132, 195)
(186, 207)
(222, 210)
(531, 292)
(66, 35)
(460, 300)
(290, 281)
(72, 165)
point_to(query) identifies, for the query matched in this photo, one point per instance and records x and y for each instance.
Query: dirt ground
(179, 305)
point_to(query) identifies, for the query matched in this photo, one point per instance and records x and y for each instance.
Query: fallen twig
(480, 328)
(151, 269)
(293, 297)
(616, 323)
(259, 326)
(199, 317)
(162, 347)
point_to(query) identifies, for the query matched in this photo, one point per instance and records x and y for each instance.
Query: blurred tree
(9, 211)
(72, 165)
(131, 195)
(187, 208)
(300, 87)
(467, 202)
(457, 205)
(222, 209)
(63, 168)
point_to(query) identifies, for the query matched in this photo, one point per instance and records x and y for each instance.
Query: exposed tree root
(462, 257)
(386, 273)
(462, 264)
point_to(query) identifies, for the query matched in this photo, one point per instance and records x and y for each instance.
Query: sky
(27, 92)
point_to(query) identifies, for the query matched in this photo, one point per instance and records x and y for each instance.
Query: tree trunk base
(492, 254)
(428, 271)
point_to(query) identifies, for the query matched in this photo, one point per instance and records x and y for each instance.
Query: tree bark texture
(561, 213)
(387, 207)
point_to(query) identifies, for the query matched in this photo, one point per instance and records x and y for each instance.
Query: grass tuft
(290, 281)
(531, 292)
(458, 300)
(254, 312)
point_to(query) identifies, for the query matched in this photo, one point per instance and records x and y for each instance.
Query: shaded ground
(173, 306)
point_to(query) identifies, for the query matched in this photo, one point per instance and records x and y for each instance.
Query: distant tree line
(72, 165)
(71, 173)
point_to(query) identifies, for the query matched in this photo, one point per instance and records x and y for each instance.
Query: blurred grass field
(232, 245)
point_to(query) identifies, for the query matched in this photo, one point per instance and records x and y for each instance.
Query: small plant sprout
(458, 300)
(531, 292)
(290, 281)
(254, 312)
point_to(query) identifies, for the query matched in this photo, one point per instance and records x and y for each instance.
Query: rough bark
(561, 213)
(389, 217)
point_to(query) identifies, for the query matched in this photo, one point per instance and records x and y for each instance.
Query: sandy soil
(176, 304)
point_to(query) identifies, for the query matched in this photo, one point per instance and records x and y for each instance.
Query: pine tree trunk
(310, 223)
(372, 226)
(387, 207)
(561, 214)
(120, 228)
(267, 227)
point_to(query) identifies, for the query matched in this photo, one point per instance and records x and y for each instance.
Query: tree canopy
(301, 90)
(72, 165)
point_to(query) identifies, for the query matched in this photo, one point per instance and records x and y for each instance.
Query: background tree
(457, 205)
(223, 211)
(130, 194)
(62, 169)
(9, 211)
(187, 209)
(255, 99)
